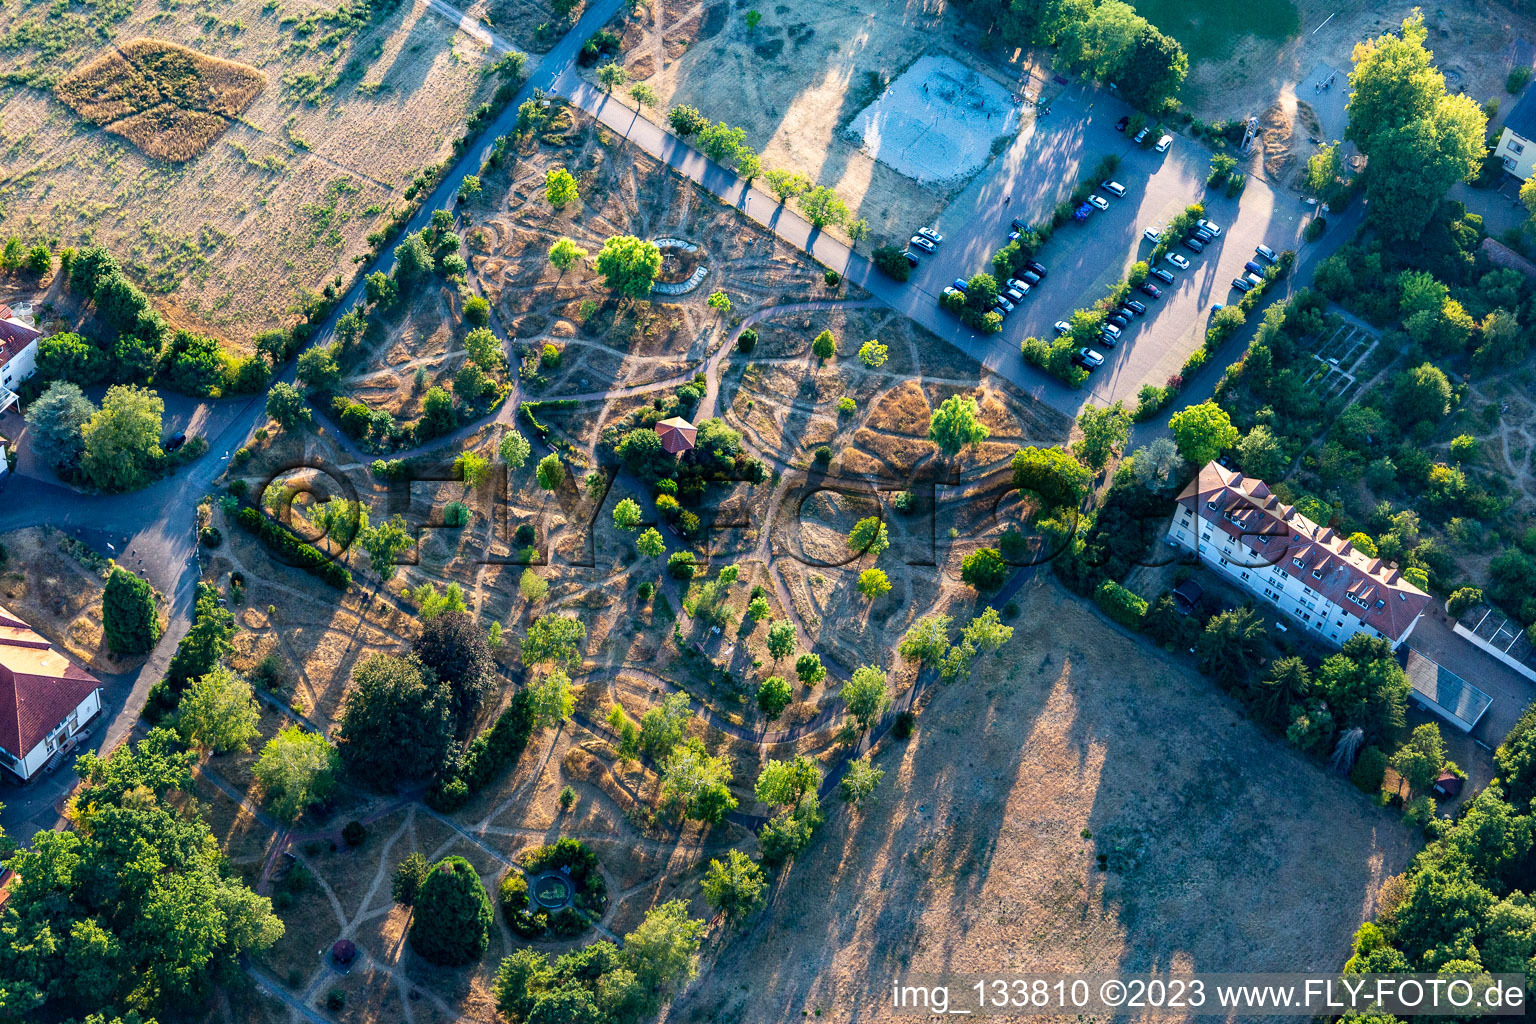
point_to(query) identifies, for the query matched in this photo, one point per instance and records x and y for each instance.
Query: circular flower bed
(559, 893)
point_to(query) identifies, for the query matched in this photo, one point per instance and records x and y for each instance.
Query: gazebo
(676, 434)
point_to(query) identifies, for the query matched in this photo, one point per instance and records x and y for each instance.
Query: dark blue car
(1253, 268)
(959, 285)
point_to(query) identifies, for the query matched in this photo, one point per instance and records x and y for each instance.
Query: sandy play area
(936, 122)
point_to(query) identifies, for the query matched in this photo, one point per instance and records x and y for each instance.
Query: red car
(1148, 288)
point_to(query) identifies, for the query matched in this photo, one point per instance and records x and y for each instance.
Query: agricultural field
(243, 154)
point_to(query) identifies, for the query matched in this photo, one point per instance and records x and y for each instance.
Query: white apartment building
(1308, 572)
(18, 353)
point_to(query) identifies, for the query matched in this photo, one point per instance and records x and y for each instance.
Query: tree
(869, 536)
(514, 449)
(451, 924)
(791, 831)
(809, 669)
(735, 888)
(1231, 646)
(781, 639)
(984, 569)
(686, 120)
(296, 769)
(824, 346)
(1423, 393)
(550, 472)
(698, 782)
(553, 700)
(1059, 480)
(774, 696)
(1202, 432)
(218, 713)
(1260, 454)
(556, 639)
(1418, 140)
(565, 254)
(385, 542)
(867, 695)
(1420, 759)
(612, 76)
(207, 639)
(643, 94)
(661, 728)
(926, 640)
(860, 781)
(397, 722)
(650, 543)
(560, 188)
(719, 302)
(122, 439)
(55, 423)
(629, 265)
(954, 425)
(627, 515)
(430, 602)
(408, 877)
(1324, 169)
(783, 783)
(786, 185)
(873, 354)
(128, 615)
(823, 207)
(455, 649)
(469, 188)
(484, 350)
(874, 583)
(286, 405)
(1105, 431)
(318, 369)
(682, 565)
(664, 950)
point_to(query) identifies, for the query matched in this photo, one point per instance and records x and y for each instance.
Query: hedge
(528, 411)
(1120, 604)
(287, 545)
(490, 752)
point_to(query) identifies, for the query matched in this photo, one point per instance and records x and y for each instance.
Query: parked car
(1134, 307)
(1177, 260)
(1110, 329)
(1119, 318)
(1038, 269)
(1120, 124)
(1013, 236)
(1203, 235)
(1088, 359)
(1004, 305)
(953, 291)
(1209, 225)
(1082, 212)
(1153, 234)
(1242, 284)
(960, 285)
(931, 234)
(175, 442)
(1266, 252)
(1018, 286)
(1216, 305)
(911, 257)
(1255, 278)
(1107, 340)
(1014, 295)
(1114, 188)
(1141, 136)
(922, 243)
(1253, 268)
(1099, 201)
(1030, 277)
(1062, 327)
(1149, 289)
(1019, 224)
(999, 308)
(1161, 274)
(1163, 143)
(1194, 245)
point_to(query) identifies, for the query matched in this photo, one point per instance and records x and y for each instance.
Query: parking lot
(1085, 259)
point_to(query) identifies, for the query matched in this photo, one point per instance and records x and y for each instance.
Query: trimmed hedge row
(490, 752)
(278, 538)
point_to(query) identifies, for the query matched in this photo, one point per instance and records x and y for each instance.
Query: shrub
(353, 833)
(1369, 771)
(408, 876)
(747, 340)
(1120, 604)
(902, 727)
(512, 894)
(452, 922)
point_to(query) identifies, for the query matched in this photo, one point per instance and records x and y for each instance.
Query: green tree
(719, 302)
(129, 619)
(824, 346)
(122, 439)
(1202, 432)
(385, 542)
(218, 713)
(1420, 759)
(1324, 170)
(1417, 139)
(686, 120)
(560, 188)
(1422, 394)
(661, 728)
(650, 543)
(1231, 646)
(452, 921)
(663, 951)
(553, 700)
(860, 781)
(867, 695)
(643, 94)
(954, 426)
(286, 406)
(736, 889)
(318, 369)
(781, 639)
(698, 782)
(206, 641)
(1105, 431)
(627, 515)
(786, 185)
(926, 640)
(869, 536)
(823, 207)
(56, 422)
(774, 696)
(984, 569)
(682, 565)
(469, 188)
(629, 265)
(1055, 476)
(874, 583)
(783, 783)
(809, 669)
(556, 639)
(612, 76)
(296, 768)
(408, 877)
(565, 254)
(514, 449)
(550, 472)
(396, 723)
(484, 349)
(873, 354)
(1260, 454)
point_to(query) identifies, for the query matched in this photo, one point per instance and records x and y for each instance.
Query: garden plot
(937, 122)
(1341, 350)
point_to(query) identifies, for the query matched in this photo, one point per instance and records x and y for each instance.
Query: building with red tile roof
(18, 353)
(45, 699)
(1311, 573)
(677, 434)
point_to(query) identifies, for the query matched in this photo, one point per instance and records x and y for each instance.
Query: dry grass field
(169, 101)
(357, 101)
(1224, 849)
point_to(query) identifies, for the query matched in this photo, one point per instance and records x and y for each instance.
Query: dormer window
(1263, 538)
(1298, 563)
(1211, 504)
(1357, 600)
(1317, 574)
